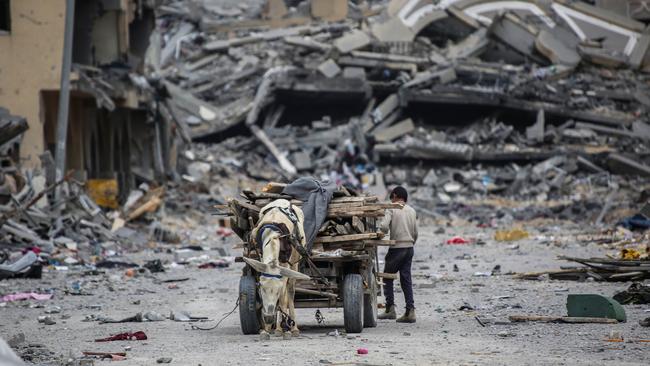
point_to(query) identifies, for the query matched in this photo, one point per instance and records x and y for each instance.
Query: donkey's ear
(289, 273)
(257, 265)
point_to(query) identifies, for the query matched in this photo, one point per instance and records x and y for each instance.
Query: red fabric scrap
(36, 250)
(457, 240)
(362, 351)
(225, 232)
(137, 336)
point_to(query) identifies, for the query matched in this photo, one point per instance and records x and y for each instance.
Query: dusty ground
(443, 334)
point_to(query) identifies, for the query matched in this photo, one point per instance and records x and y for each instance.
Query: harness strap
(269, 275)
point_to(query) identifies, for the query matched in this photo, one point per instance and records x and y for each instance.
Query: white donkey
(279, 266)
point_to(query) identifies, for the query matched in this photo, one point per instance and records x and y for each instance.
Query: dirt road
(442, 335)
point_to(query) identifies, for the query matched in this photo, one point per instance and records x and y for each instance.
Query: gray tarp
(316, 197)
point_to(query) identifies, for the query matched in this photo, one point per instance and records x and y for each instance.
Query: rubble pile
(33, 216)
(459, 105)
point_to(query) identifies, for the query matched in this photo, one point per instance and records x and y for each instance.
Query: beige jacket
(402, 225)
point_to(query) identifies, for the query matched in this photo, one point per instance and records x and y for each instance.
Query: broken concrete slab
(302, 160)
(608, 130)
(282, 160)
(463, 17)
(393, 30)
(624, 165)
(394, 132)
(535, 132)
(604, 57)
(514, 32)
(329, 68)
(385, 108)
(641, 130)
(640, 54)
(352, 41)
(307, 42)
(351, 72)
(588, 165)
(471, 46)
(443, 76)
(170, 47)
(555, 50)
(190, 103)
(387, 57)
(375, 64)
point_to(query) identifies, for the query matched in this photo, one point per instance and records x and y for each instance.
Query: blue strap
(277, 277)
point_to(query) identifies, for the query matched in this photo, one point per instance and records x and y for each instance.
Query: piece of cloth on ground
(637, 221)
(316, 196)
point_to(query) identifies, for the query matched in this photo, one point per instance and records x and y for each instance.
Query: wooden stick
(353, 237)
(317, 293)
(8, 215)
(560, 319)
(104, 354)
(390, 276)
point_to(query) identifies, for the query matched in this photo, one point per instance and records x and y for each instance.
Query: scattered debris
(136, 336)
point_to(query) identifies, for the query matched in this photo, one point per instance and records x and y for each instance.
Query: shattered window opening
(5, 17)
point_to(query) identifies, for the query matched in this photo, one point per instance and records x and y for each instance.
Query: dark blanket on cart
(316, 196)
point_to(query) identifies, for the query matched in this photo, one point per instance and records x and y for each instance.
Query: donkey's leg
(291, 292)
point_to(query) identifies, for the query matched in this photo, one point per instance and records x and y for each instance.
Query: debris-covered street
(444, 334)
(219, 182)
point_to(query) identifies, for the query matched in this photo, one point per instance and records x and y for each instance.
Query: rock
(198, 170)
(16, 340)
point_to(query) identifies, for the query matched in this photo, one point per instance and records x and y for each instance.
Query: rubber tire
(370, 302)
(249, 317)
(353, 303)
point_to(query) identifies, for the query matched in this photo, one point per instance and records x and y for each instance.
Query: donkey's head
(273, 279)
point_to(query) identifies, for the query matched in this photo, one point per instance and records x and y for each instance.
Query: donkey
(278, 269)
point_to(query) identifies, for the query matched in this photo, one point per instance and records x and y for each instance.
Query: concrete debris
(352, 41)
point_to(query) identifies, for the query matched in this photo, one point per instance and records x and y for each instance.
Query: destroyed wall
(104, 101)
(30, 62)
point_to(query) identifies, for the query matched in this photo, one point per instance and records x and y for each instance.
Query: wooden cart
(343, 266)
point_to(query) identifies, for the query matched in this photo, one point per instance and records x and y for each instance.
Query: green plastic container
(595, 306)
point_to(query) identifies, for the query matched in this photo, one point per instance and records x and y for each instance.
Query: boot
(390, 313)
(408, 317)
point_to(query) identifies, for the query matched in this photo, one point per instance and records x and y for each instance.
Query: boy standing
(402, 225)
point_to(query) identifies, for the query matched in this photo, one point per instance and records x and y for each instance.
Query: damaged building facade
(112, 134)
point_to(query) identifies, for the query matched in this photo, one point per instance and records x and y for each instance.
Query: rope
(194, 327)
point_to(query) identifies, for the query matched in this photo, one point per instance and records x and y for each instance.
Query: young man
(403, 228)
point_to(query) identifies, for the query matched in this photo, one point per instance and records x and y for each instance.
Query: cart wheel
(370, 302)
(353, 303)
(248, 311)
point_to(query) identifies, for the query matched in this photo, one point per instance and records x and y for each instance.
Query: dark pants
(399, 260)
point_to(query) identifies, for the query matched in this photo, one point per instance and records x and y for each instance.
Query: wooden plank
(380, 243)
(353, 237)
(390, 276)
(351, 258)
(306, 304)
(561, 319)
(358, 225)
(274, 187)
(301, 290)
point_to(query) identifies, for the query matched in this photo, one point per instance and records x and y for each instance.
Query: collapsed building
(111, 134)
(458, 99)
